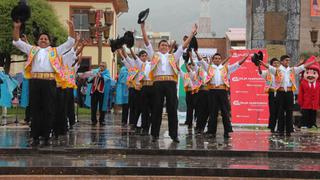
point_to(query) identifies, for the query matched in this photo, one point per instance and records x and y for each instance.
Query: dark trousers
(191, 104)
(285, 104)
(137, 106)
(60, 125)
(97, 99)
(27, 114)
(273, 111)
(42, 107)
(132, 110)
(168, 90)
(125, 112)
(309, 118)
(70, 106)
(202, 110)
(218, 99)
(147, 106)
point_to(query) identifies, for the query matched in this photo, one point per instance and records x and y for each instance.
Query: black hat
(21, 12)
(193, 43)
(128, 39)
(256, 58)
(112, 43)
(143, 16)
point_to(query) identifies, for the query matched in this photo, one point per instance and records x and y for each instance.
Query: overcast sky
(177, 16)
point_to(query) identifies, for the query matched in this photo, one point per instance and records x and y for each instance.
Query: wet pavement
(117, 150)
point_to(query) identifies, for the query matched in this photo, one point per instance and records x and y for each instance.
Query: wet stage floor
(113, 149)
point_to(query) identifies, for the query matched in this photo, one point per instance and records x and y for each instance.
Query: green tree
(41, 12)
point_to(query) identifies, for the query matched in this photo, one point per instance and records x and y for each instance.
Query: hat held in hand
(143, 16)
(256, 58)
(21, 12)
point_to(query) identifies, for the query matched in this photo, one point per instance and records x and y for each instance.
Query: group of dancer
(150, 78)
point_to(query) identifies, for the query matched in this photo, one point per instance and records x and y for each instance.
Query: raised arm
(82, 45)
(134, 56)
(17, 42)
(244, 59)
(225, 60)
(63, 48)
(193, 33)
(144, 34)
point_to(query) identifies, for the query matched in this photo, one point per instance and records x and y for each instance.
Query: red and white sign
(249, 102)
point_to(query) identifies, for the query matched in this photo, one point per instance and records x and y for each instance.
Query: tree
(41, 12)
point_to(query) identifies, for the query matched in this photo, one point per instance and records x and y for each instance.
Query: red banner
(249, 102)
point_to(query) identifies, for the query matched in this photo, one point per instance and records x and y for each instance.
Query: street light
(97, 29)
(314, 37)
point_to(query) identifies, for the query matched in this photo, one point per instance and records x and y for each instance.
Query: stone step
(146, 165)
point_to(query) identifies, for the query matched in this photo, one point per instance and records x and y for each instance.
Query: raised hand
(194, 29)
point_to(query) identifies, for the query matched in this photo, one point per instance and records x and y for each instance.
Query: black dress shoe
(46, 142)
(176, 140)
(35, 142)
(155, 138)
(93, 123)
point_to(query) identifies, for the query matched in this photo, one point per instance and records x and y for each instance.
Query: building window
(80, 20)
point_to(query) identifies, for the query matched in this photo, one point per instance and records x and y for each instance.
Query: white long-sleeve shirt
(217, 79)
(41, 62)
(164, 67)
(264, 76)
(286, 74)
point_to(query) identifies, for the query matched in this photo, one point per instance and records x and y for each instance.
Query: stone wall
(274, 22)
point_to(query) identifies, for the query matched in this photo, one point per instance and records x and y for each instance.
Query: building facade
(78, 10)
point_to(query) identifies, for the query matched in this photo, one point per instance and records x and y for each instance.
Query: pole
(99, 46)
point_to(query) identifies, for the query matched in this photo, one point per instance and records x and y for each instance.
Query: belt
(164, 78)
(204, 88)
(272, 90)
(282, 89)
(211, 86)
(43, 75)
(147, 83)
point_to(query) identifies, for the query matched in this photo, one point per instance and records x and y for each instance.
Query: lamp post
(97, 30)
(314, 38)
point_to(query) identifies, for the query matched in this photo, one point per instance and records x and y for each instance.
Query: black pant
(191, 104)
(132, 110)
(60, 125)
(168, 90)
(137, 106)
(218, 99)
(147, 106)
(273, 110)
(285, 104)
(202, 109)
(42, 107)
(97, 98)
(27, 114)
(309, 118)
(125, 109)
(70, 106)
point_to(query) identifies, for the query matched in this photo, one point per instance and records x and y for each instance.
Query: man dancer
(287, 86)
(271, 88)
(164, 73)
(218, 85)
(44, 69)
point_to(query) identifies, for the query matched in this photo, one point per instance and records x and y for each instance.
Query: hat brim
(144, 17)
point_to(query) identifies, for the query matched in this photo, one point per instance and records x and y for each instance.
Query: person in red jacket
(309, 94)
